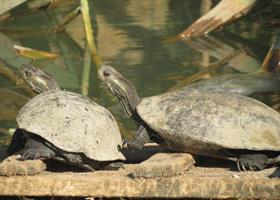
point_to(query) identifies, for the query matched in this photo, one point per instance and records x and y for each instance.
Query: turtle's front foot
(36, 153)
(251, 162)
(36, 150)
(114, 165)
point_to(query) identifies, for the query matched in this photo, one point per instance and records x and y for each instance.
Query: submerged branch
(34, 54)
(70, 17)
(271, 62)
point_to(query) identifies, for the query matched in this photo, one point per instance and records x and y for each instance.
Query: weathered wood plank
(12, 166)
(163, 165)
(198, 182)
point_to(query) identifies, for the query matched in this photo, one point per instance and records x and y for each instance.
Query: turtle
(242, 84)
(65, 126)
(208, 123)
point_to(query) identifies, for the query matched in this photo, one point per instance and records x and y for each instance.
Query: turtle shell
(243, 84)
(73, 123)
(204, 122)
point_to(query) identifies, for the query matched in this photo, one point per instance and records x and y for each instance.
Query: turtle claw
(251, 168)
(238, 165)
(243, 167)
(251, 162)
(124, 144)
(132, 144)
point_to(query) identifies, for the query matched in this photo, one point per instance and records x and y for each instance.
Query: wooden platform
(194, 182)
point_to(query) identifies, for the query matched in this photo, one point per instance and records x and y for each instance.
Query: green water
(136, 38)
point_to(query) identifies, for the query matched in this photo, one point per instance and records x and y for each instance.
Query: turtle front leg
(113, 165)
(252, 162)
(141, 138)
(17, 142)
(36, 150)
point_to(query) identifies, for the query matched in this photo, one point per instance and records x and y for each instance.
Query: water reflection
(134, 37)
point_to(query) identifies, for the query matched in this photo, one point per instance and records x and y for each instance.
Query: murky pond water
(137, 37)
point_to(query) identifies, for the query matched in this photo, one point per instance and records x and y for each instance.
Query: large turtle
(66, 126)
(209, 123)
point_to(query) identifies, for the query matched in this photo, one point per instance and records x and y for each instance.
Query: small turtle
(65, 126)
(209, 123)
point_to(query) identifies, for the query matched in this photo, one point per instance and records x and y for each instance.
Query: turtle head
(37, 79)
(121, 88)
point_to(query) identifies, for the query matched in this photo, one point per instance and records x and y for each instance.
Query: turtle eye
(27, 73)
(106, 73)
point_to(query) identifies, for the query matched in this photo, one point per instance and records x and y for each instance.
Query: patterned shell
(74, 124)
